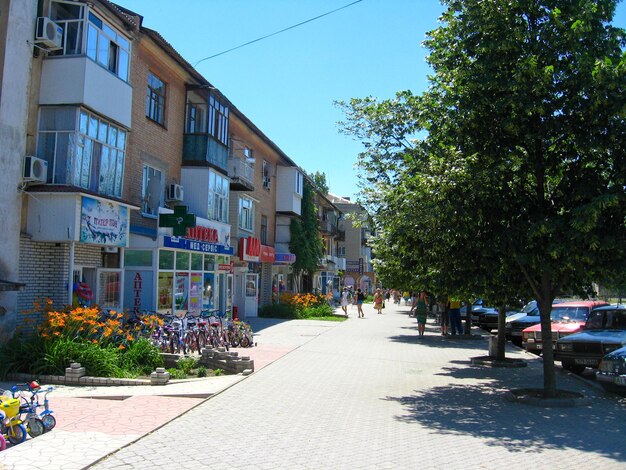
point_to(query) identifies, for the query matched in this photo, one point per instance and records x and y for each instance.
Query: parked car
(567, 318)
(611, 372)
(604, 332)
(488, 320)
(518, 322)
(478, 308)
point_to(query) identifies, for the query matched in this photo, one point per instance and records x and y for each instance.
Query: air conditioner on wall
(175, 193)
(48, 34)
(35, 170)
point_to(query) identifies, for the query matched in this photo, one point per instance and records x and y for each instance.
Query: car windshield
(611, 319)
(530, 308)
(569, 313)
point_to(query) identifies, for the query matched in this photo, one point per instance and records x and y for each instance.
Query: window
(299, 183)
(341, 251)
(196, 118)
(246, 214)
(82, 149)
(218, 120)
(155, 99)
(104, 45)
(264, 229)
(267, 181)
(218, 198)
(151, 190)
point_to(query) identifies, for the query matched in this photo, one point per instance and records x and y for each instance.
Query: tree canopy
(506, 178)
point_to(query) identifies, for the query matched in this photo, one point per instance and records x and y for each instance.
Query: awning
(8, 286)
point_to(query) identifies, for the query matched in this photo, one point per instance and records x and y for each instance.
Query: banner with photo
(103, 223)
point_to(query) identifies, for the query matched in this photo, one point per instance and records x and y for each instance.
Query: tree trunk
(468, 318)
(545, 308)
(500, 356)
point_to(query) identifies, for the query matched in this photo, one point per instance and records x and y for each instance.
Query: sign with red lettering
(249, 249)
(267, 254)
(203, 234)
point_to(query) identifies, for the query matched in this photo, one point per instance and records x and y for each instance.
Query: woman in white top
(344, 301)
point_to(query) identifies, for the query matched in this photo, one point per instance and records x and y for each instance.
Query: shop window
(166, 291)
(140, 258)
(166, 259)
(182, 261)
(181, 293)
(196, 262)
(209, 262)
(109, 289)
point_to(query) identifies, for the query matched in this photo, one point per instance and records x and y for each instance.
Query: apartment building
(352, 245)
(131, 181)
(328, 278)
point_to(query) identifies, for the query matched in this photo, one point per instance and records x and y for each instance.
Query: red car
(567, 318)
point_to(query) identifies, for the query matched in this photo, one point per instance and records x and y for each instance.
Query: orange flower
(122, 346)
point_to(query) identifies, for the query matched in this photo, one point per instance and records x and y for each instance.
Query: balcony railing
(328, 227)
(202, 148)
(241, 174)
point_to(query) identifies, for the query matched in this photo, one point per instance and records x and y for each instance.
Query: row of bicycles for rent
(20, 413)
(189, 333)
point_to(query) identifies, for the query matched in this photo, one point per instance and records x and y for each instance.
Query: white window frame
(147, 173)
(246, 214)
(218, 197)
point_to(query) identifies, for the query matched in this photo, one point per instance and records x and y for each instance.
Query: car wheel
(576, 369)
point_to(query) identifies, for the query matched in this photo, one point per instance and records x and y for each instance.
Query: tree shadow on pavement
(480, 410)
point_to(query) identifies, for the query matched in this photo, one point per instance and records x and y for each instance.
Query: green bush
(177, 373)
(282, 310)
(202, 372)
(140, 357)
(186, 364)
(19, 353)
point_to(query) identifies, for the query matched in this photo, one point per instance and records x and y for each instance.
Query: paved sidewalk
(365, 393)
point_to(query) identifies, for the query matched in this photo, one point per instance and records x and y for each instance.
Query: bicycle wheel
(245, 341)
(201, 341)
(49, 422)
(35, 427)
(234, 338)
(16, 434)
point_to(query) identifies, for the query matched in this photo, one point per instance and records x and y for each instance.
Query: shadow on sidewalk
(480, 410)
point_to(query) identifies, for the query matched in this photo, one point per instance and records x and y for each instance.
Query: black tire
(201, 341)
(574, 368)
(245, 341)
(36, 427)
(49, 422)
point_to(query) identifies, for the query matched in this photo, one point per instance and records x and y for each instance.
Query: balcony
(71, 80)
(204, 150)
(241, 174)
(328, 227)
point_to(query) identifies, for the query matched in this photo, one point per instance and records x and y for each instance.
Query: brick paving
(366, 393)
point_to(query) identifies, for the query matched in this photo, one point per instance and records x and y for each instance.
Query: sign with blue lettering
(195, 245)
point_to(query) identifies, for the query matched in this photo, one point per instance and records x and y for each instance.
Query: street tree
(522, 164)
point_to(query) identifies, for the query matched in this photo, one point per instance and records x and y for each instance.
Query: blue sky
(287, 84)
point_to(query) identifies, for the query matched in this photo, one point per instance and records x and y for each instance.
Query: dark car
(604, 332)
(478, 308)
(518, 322)
(611, 372)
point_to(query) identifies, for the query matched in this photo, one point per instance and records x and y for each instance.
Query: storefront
(181, 274)
(282, 274)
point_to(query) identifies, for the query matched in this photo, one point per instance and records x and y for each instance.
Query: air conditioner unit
(48, 34)
(110, 249)
(175, 193)
(267, 183)
(35, 170)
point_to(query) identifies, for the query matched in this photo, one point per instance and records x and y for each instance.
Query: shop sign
(249, 249)
(226, 267)
(284, 258)
(267, 254)
(103, 223)
(203, 234)
(194, 245)
(180, 220)
(355, 266)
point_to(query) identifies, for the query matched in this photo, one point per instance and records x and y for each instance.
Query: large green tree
(306, 242)
(519, 179)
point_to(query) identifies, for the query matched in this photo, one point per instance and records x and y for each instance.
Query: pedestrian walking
(360, 297)
(421, 312)
(378, 301)
(344, 301)
(454, 311)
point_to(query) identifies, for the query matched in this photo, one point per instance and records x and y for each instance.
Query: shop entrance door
(252, 295)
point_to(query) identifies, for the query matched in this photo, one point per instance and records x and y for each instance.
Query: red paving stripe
(134, 415)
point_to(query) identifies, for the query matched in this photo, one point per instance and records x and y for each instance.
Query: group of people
(449, 313)
(357, 299)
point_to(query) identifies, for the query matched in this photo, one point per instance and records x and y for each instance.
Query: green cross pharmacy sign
(180, 221)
